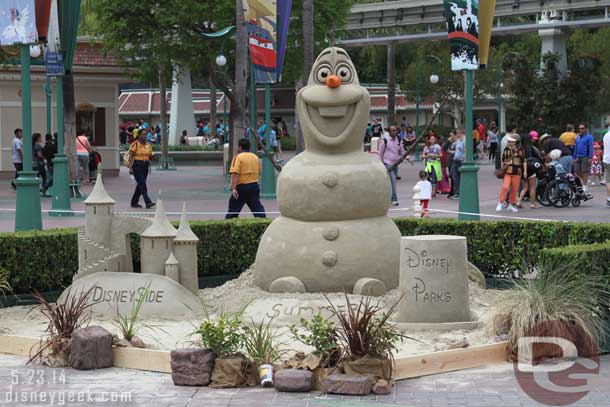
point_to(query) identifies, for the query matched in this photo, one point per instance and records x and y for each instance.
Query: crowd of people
(524, 160)
(43, 153)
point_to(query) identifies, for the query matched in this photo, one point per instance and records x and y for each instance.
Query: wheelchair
(561, 190)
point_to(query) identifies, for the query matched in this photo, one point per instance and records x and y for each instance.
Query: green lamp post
(418, 93)
(268, 187)
(28, 212)
(70, 14)
(498, 162)
(469, 183)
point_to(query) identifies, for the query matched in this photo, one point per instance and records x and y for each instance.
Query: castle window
(95, 209)
(152, 242)
(167, 244)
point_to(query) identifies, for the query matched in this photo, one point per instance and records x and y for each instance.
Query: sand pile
(234, 296)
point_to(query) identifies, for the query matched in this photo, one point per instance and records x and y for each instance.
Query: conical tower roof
(171, 259)
(99, 196)
(185, 234)
(161, 226)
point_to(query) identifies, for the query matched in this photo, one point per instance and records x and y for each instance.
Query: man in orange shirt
(245, 171)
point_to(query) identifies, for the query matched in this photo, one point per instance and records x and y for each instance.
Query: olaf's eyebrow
(342, 53)
(324, 53)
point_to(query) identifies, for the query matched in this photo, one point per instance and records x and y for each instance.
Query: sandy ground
(233, 296)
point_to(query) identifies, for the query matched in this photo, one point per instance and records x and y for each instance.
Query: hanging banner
(284, 10)
(487, 10)
(261, 23)
(463, 29)
(17, 22)
(53, 59)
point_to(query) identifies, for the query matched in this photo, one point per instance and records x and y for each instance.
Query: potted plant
(262, 346)
(318, 333)
(558, 302)
(225, 337)
(366, 338)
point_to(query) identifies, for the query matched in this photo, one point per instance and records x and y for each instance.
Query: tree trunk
(236, 131)
(308, 49)
(163, 114)
(391, 70)
(70, 125)
(213, 103)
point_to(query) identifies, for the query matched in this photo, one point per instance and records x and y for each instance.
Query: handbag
(500, 172)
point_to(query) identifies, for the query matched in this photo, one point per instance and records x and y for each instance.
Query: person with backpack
(390, 152)
(140, 154)
(535, 168)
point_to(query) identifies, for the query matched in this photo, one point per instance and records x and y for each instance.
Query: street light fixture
(434, 79)
(221, 60)
(35, 51)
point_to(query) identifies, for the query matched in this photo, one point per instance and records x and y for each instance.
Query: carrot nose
(333, 81)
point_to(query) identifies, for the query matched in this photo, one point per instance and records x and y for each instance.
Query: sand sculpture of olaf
(333, 234)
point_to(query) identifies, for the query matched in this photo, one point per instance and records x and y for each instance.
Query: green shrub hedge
(43, 261)
(47, 260)
(588, 258)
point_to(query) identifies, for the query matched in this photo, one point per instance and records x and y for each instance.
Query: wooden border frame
(406, 368)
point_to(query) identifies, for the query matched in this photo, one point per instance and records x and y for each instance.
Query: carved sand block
(434, 281)
(112, 291)
(333, 231)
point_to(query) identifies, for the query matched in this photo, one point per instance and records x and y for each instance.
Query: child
(425, 193)
(596, 164)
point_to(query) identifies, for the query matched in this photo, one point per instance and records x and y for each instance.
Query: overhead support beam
(503, 30)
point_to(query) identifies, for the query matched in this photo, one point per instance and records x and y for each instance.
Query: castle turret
(156, 242)
(98, 214)
(172, 268)
(185, 249)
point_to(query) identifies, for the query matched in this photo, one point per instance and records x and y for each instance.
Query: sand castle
(104, 242)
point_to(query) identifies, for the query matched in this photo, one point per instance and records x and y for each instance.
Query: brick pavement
(202, 187)
(486, 387)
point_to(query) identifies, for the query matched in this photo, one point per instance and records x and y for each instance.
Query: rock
(287, 285)
(192, 367)
(122, 343)
(459, 344)
(369, 286)
(294, 381)
(351, 385)
(137, 342)
(383, 387)
(476, 276)
(91, 348)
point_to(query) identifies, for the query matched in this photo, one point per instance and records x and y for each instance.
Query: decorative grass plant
(558, 295)
(261, 343)
(63, 319)
(364, 331)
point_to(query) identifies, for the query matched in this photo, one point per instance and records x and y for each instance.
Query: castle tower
(98, 213)
(156, 242)
(185, 249)
(172, 268)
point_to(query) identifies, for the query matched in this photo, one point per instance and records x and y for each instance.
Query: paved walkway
(203, 188)
(488, 387)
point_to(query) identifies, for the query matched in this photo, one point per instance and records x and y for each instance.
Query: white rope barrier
(223, 213)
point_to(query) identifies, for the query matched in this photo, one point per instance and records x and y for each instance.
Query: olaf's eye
(322, 73)
(344, 71)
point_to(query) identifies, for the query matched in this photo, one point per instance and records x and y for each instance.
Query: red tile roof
(88, 54)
